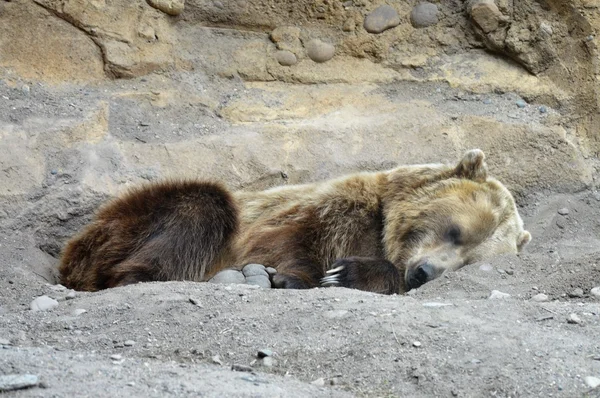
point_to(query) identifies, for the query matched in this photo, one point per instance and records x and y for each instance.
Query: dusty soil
(97, 96)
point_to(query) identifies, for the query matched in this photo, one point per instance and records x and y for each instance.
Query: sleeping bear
(385, 232)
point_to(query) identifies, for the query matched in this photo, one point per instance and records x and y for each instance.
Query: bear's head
(444, 224)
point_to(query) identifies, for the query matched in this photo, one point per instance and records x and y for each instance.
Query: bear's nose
(419, 275)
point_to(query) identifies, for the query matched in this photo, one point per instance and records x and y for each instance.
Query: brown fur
(405, 217)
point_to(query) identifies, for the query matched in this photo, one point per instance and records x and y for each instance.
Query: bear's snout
(420, 275)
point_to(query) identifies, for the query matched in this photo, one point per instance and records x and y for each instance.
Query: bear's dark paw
(473, 166)
(281, 281)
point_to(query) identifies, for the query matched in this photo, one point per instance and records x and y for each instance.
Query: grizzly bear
(385, 232)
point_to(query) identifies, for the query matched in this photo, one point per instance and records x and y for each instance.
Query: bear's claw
(333, 277)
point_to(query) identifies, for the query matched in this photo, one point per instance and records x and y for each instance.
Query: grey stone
(78, 311)
(129, 343)
(4, 341)
(319, 51)
(17, 382)
(229, 276)
(592, 381)
(563, 211)
(540, 297)
(269, 362)
(595, 292)
(320, 382)
(259, 280)
(573, 318)
(43, 303)
(521, 104)
(71, 295)
(424, 14)
(496, 295)
(286, 58)
(116, 357)
(58, 288)
(382, 18)
(576, 293)
(254, 270)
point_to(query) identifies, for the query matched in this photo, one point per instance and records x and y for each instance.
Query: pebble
(195, 301)
(269, 362)
(521, 104)
(510, 271)
(71, 295)
(424, 14)
(116, 357)
(573, 318)
(563, 211)
(4, 341)
(228, 276)
(53, 172)
(595, 292)
(286, 58)
(382, 18)
(259, 280)
(25, 89)
(543, 109)
(17, 382)
(264, 353)
(170, 7)
(417, 344)
(78, 311)
(486, 267)
(241, 368)
(576, 293)
(129, 343)
(217, 359)
(501, 271)
(43, 303)
(58, 288)
(487, 101)
(592, 381)
(254, 270)
(319, 51)
(437, 305)
(320, 382)
(560, 223)
(496, 294)
(540, 297)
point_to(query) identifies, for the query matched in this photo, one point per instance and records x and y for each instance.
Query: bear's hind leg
(364, 273)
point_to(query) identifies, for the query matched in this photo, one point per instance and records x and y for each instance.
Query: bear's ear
(472, 166)
(523, 240)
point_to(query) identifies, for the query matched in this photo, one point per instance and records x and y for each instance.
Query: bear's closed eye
(453, 235)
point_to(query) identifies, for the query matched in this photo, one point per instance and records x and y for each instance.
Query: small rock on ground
(592, 381)
(382, 18)
(319, 51)
(43, 303)
(540, 297)
(78, 311)
(318, 382)
(576, 293)
(424, 14)
(129, 343)
(264, 353)
(496, 294)
(573, 318)
(595, 292)
(563, 211)
(17, 382)
(229, 276)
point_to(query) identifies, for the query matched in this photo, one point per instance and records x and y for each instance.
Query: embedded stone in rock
(170, 7)
(319, 51)
(487, 16)
(498, 295)
(229, 276)
(382, 18)
(286, 58)
(43, 303)
(424, 14)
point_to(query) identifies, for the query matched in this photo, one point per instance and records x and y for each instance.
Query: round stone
(382, 18)
(229, 276)
(540, 297)
(43, 303)
(424, 14)
(286, 58)
(319, 51)
(170, 7)
(596, 292)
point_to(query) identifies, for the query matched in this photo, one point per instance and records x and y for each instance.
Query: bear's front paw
(334, 277)
(472, 166)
